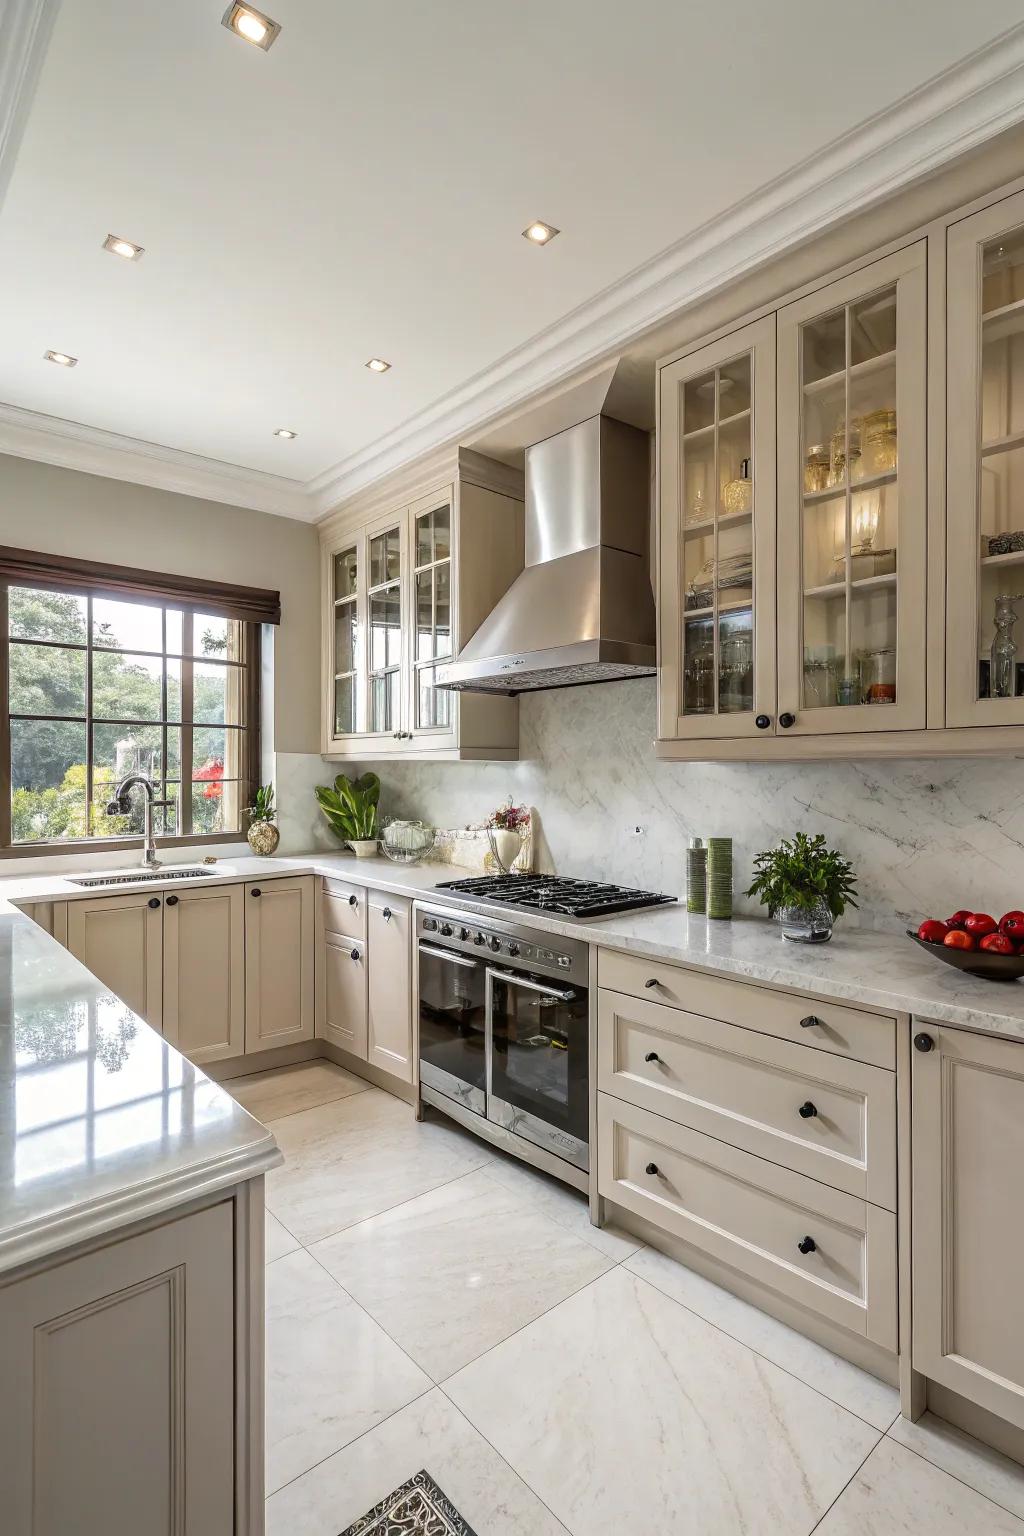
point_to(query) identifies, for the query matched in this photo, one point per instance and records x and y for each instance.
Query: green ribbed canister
(696, 876)
(719, 895)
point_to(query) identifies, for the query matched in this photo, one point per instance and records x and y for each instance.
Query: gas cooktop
(555, 893)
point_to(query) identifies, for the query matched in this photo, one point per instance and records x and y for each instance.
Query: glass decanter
(1003, 679)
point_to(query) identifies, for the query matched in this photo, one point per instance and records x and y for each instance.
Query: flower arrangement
(509, 817)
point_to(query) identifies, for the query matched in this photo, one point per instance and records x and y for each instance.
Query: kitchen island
(131, 1266)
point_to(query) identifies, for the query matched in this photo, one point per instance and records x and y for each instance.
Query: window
(99, 687)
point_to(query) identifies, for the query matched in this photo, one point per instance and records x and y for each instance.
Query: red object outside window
(212, 772)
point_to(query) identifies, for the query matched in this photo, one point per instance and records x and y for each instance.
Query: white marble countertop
(102, 1123)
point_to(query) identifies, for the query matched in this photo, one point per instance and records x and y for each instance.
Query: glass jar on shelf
(837, 459)
(878, 439)
(739, 493)
(817, 464)
(878, 675)
(1003, 656)
(699, 679)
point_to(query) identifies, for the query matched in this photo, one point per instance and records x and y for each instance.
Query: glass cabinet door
(985, 467)
(716, 611)
(344, 639)
(852, 512)
(432, 708)
(385, 573)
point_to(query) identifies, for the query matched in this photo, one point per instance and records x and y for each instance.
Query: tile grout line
(855, 1473)
(501, 1457)
(354, 1441)
(321, 1104)
(955, 1475)
(386, 1210)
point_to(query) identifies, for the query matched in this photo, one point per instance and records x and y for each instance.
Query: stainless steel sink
(139, 877)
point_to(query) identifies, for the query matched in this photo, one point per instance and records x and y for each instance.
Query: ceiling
(360, 189)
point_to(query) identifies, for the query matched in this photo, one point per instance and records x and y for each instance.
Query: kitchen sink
(138, 877)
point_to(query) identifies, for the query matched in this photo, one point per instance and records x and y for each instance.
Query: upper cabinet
(404, 586)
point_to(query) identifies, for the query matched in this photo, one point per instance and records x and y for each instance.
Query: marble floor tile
(563, 1204)
(331, 1372)
(360, 1156)
(896, 1493)
(830, 1374)
(429, 1433)
(977, 1465)
(287, 1090)
(279, 1240)
(626, 1412)
(452, 1273)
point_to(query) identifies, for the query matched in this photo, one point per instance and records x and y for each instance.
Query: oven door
(453, 1012)
(537, 1066)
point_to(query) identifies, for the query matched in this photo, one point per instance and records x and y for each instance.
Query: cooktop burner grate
(556, 893)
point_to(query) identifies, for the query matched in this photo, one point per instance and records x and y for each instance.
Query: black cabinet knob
(651, 1168)
(786, 720)
(762, 722)
(352, 900)
(807, 1111)
(255, 891)
(154, 901)
(172, 901)
(811, 1021)
(653, 982)
(652, 1056)
(386, 915)
(924, 1042)
(807, 1245)
(354, 954)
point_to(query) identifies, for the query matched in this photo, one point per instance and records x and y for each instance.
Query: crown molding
(24, 38)
(69, 444)
(972, 101)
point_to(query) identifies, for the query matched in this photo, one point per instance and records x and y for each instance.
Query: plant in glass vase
(506, 828)
(806, 885)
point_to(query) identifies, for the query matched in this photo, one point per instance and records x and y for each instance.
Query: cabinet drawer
(344, 909)
(753, 1215)
(345, 989)
(825, 1116)
(868, 1037)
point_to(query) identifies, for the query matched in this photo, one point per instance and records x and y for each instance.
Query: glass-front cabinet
(985, 467)
(431, 707)
(717, 609)
(852, 503)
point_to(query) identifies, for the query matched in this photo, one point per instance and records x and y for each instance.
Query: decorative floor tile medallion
(417, 1508)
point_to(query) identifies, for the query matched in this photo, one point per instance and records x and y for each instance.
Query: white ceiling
(360, 190)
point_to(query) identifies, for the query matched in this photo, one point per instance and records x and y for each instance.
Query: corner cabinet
(407, 578)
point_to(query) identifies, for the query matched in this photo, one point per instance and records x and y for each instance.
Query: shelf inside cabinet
(862, 370)
(834, 492)
(697, 433)
(726, 520)
(1003, 444)
(865, 584)
(1015, 557)
(736, 605)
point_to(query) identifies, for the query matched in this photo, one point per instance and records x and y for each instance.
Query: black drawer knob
(652, 982)
(924, 1042)
(652, 1169)
(354, 954)
(255, 891)
(154, 901)
(762, 722)
(652, 1056)
(811, 1022)
(352, 901)
(786, 720)
(172, 901)
(386, 914)
(807, 1245)
(807, 1111)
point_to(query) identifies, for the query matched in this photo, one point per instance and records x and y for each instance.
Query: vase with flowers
(506, 829)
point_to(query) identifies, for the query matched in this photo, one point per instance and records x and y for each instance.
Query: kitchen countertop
(102, 1123)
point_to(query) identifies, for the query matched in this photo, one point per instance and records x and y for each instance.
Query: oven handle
(450, 955)
(531, 986)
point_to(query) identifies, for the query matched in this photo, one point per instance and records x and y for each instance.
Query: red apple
(959, 919)
(998, 944)
(980, 923)
(932, 931)
(957, 938)
(1012, 923)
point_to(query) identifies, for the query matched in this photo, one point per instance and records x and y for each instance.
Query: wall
(64, 511)
(924, 836)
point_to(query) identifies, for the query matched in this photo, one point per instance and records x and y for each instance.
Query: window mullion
(187, 704)
(89, 829)
(5, 720)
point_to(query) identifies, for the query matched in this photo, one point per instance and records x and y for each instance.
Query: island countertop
(102, 1122)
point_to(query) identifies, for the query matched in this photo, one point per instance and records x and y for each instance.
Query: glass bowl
(406, 841)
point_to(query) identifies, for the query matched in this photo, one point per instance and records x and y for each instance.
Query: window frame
(249, 765)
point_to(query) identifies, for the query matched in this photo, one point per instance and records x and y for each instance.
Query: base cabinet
(120, 939)
(345, 994)
(389, 998)
(279, 927)
(117, 1414)
(365, 1002)
(204, 972)
(968, 1239)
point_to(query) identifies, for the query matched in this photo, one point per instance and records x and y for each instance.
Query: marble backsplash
(924, 835)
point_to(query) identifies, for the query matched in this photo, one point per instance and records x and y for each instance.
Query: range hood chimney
(582, 610)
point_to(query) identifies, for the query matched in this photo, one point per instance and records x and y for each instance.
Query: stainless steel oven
(504, 1028)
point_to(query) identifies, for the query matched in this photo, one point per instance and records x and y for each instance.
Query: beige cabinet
(118, 1407)
(204, 971)
(279, 935)
(406, 579)
(389, 984)
(968, 1241)
(120, 939)
(344, 1020)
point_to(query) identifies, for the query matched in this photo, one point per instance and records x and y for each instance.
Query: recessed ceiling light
(62, 359)
(126, 248)
(285, 432)
(252, 25)
(378, 365)
(539, 233)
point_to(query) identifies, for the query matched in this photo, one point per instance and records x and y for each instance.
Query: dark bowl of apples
(976, 943)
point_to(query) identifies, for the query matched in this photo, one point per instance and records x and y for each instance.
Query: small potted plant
(351, 810)
(263, 834)
(506, 828)
(806, 885)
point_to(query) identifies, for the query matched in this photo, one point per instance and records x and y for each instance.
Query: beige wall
(66, 512)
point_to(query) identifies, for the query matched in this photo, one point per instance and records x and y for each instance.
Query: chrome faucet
(120, 805)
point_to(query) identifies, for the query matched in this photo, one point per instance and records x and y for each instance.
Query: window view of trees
(99, 689)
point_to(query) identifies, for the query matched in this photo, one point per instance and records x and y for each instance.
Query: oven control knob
(480, 939)
(429, 925)
(513, 949)
(495, 944)
(447, 930)
(564, 962)
(463, 934)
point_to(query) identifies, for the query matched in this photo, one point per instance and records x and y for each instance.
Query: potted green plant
(351, 810)
(263, 835)
(805, 885)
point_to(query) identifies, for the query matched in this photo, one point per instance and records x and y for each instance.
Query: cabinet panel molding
(120, 939)
(389, 998)
(279, 937)
(204, 971)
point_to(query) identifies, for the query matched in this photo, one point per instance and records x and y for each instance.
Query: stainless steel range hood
(582, 611)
